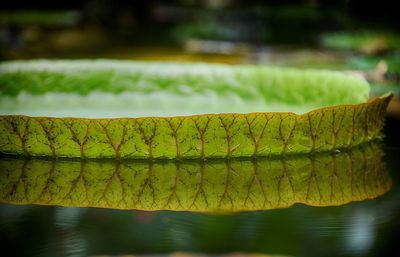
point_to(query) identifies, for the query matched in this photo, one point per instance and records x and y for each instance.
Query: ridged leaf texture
(202, 136)
(208, 186)
(347, 123)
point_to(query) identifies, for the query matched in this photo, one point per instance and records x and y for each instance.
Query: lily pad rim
(388, 97)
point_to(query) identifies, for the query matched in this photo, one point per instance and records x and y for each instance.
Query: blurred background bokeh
(361, 37)
(242, 31)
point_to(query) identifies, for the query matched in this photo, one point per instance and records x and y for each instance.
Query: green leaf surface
(341, 119)
(206, 186)
(248, 83)
(203, 136)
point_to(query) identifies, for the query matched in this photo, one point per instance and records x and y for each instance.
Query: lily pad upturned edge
(193, 137)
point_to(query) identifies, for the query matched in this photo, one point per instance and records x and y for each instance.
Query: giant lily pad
(122, 109)
(322, 179)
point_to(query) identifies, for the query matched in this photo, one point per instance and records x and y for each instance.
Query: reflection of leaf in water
(213, 185)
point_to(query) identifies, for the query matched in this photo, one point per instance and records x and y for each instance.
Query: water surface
(367, 226)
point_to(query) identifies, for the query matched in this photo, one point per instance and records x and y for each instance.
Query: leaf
(206, 186)
(203, 136)
(246, 82)
(347, 123)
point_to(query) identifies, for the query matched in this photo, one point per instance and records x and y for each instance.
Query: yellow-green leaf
(333, 112)
(203, 136)
(322, 179)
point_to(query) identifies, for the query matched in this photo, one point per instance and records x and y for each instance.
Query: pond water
(39, 216)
